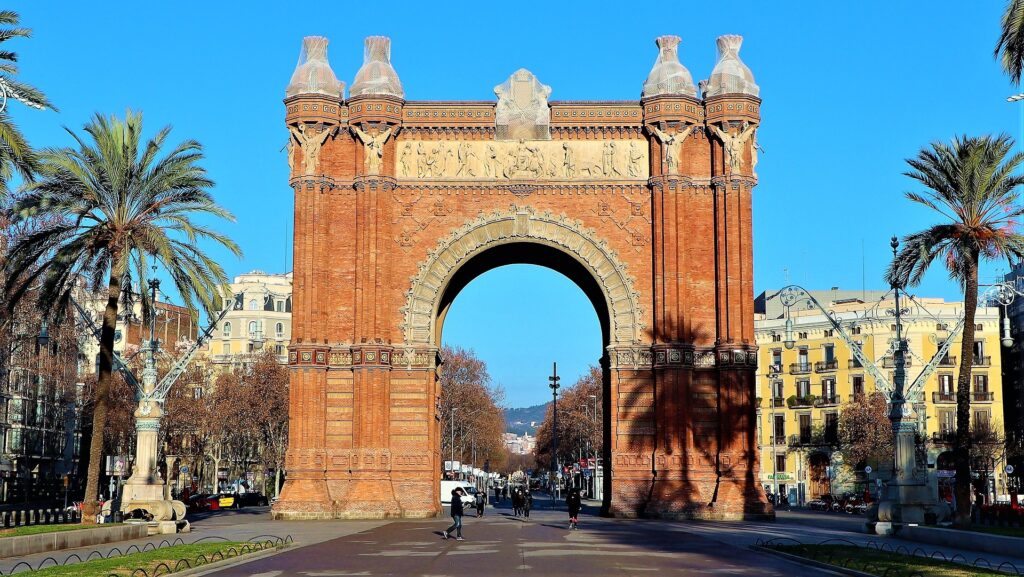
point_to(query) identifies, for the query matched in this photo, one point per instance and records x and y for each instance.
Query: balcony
(796, 402)
(981, 396)
(947, 361)
(890, 362)
(826, 366)
(826, 401)
(983, 361)
(779, 440)
(777, 402)
(854, 364)
(774, 368)
(943, 398)
(799, 368)
(944, 437)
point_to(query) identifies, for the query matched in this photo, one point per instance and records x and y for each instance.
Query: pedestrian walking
(457, 511)
(573, 501)
(517, 502)
(480, 500)
(527, 503)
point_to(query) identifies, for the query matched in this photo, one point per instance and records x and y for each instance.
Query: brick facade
(380, 253)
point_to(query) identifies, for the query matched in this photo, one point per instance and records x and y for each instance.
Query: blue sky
(850, 90)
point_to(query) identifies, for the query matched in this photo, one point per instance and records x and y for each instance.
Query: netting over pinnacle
(731, 75)
(313, 74)
(668, 76)
(377, 76)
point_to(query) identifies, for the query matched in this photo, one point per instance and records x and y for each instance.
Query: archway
(521, 236)
(646, 204)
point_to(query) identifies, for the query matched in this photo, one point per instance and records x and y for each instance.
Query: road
(499, 544)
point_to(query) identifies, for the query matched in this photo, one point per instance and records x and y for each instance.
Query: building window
(977, 328)
(831, 427)
(979, 350)
(803, 361)
(858, 385)
(253, 306)
(828, 390)
(805, 429)
(802, 335)
(227, 329)
(197, 393)
(980, 383)
(803, 389)
(279, 330)
(227, 348)
(780, 463)
(279, 350)
(830, 353)
(279, 306)
(252, 328)
(776, 338)
(947, 422)
(829, 333)
(777, 388)
(855, 330)
(780, 428)
(981, 419)
(946, 384)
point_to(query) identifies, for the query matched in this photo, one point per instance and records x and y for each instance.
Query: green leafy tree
(972, 186)
(1010, 48)
(110, 208)
(16, 156)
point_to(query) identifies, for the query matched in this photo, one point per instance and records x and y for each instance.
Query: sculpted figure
(422, 166)
(467, 160)
(434, 161)
(444, 162)
(733, 143)
(670, 148)
(291, 155)
(608, 167)
(311, 145)
(635, 156)
(568, 161)
(373, 148)
(492, 165)
(406, 155)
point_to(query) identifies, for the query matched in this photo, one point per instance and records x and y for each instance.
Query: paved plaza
(499, 544)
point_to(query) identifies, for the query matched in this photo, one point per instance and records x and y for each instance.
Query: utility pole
(452, 462)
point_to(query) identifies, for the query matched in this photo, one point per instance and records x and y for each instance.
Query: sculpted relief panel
(523, 160)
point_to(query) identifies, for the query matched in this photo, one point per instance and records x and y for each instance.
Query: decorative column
(315, 114)
(733, 115)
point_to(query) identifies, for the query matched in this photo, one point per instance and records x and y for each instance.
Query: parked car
(203, 502)
(469, 499)
(251, 499)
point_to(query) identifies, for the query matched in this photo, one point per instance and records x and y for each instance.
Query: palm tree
(1010, 48)
(15, 154)
(971, 184)
(104, 212)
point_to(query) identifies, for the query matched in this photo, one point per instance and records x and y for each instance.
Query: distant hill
(518, 420)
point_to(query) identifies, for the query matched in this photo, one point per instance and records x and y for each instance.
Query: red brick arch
(408, 201)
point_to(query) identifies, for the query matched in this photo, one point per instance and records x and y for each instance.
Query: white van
(448, 486)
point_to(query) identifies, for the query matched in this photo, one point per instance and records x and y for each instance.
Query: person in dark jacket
(457, 511)
(480, 500)
(572, 500)
(527, 503)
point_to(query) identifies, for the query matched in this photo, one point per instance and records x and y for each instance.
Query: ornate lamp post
(553, 383)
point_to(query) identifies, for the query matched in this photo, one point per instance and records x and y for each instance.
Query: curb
(228, 563)
(812, 563)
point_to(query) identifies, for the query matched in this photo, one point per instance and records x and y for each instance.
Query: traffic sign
(1009, 469)
(867, 469)
(184, 470)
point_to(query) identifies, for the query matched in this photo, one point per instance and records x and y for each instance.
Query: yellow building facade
(263, 322)
(802, 390)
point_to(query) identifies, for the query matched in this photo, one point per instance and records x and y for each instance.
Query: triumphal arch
(646, 204)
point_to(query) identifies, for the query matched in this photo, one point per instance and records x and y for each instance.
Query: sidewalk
(239, 525)
(804, 530)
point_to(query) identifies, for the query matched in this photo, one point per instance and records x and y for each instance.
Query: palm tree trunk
(101, 397)
(961, 448)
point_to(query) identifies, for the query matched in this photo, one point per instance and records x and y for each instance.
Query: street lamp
(452, 462)
(553, 383)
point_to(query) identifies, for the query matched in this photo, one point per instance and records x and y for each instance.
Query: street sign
(184, 470)
(867, 469)
(1009, 469)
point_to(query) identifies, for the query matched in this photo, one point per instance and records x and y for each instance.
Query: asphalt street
(499, 544)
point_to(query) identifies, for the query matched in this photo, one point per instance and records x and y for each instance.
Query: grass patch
(150, 561)
(878, 562)
(38, 529)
